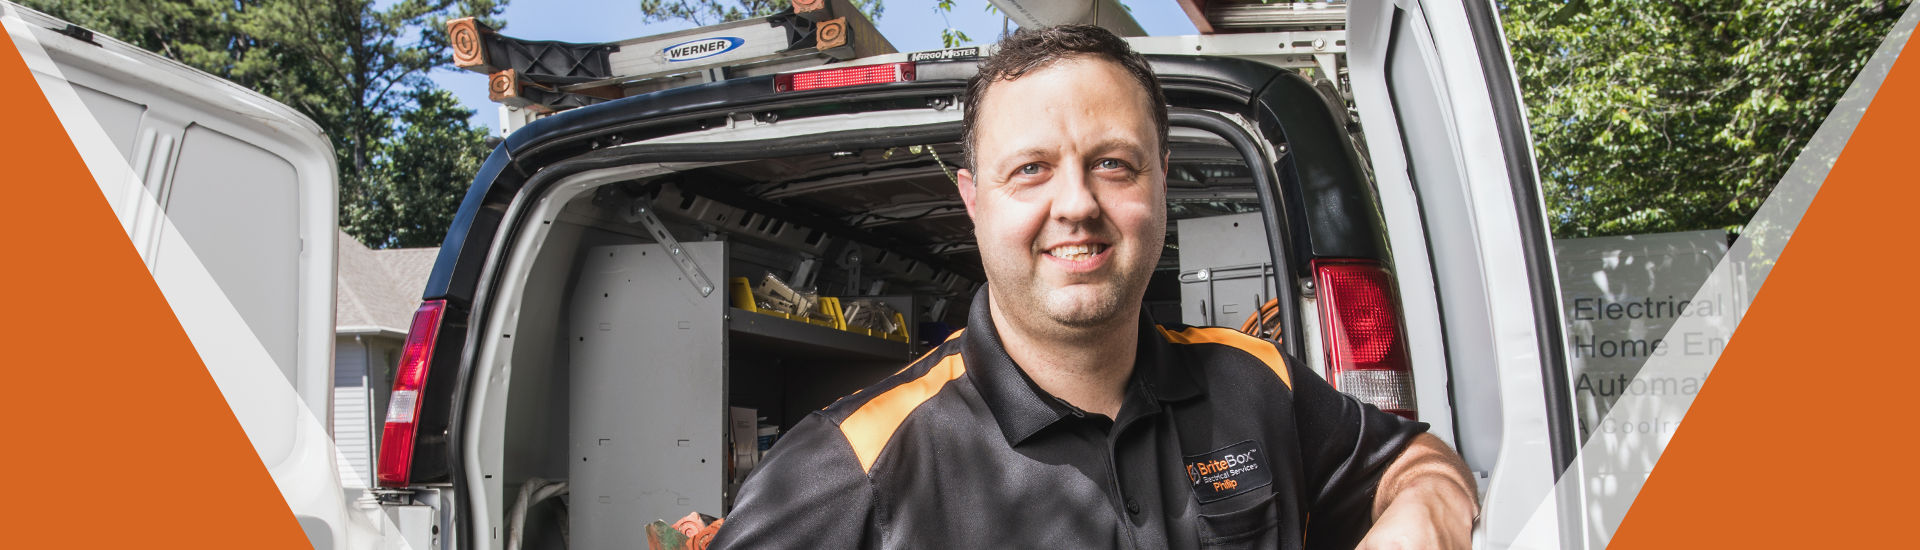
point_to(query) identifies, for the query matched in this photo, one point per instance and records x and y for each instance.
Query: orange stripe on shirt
(923, 357)
(870, 427)
(1228, 337)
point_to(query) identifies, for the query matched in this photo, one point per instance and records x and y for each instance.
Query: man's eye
(1030, 169)
(1109, 164)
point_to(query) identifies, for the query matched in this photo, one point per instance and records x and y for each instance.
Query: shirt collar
(1022, 409)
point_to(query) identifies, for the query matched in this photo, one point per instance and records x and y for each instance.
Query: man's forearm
(1428, 465)
(1426, 499)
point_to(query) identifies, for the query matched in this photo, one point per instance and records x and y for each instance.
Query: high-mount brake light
(403, 408)
(1365, 346)
(883, 73)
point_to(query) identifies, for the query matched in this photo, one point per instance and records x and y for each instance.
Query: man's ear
(1166, 168)
(964, 180)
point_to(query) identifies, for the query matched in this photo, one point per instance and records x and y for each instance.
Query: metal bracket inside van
(642, 211)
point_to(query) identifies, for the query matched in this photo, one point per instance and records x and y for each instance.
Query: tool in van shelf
(871, 314)
(878, 319)
(776, 295)
(773, 296)
(875, 318)
(824, 310)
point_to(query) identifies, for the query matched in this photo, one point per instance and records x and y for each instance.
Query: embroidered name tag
(1223, 473)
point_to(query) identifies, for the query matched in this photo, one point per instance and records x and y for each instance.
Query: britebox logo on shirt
(1226, 472)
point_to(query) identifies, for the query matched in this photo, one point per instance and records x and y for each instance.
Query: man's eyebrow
(1106, 146)
(1119, 144)
(1033, 152)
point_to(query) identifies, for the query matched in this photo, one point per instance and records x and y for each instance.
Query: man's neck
(1087, 367)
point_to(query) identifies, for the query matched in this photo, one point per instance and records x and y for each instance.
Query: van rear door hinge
(642, 211)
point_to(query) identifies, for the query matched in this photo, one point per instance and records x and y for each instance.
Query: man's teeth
(1076, 252)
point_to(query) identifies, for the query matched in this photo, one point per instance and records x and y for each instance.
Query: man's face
(1067, 195)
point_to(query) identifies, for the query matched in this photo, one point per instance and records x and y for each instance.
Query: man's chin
(1081, 310)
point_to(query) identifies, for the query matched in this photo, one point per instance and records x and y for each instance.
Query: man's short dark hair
(1028, 50)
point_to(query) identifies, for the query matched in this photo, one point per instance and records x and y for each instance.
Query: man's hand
(1426, 500)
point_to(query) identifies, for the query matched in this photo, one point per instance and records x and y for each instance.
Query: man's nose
(1075, 200)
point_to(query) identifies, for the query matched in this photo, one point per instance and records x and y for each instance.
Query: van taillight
(403, 408)
(882, 73)
(1366, 349)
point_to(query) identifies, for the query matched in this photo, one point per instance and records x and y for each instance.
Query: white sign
(1621, 296)
(701, 48)
(1647, 316)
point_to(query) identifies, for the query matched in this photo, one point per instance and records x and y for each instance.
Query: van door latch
(642, 211)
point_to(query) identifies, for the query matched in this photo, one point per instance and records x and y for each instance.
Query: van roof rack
(1297, 35)
(534, 78)
(1239, 16)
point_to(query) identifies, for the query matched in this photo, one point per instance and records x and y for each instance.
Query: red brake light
(403, 408)
(883, 73)
(1366, 349)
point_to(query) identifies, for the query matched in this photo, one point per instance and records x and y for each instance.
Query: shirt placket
(1133, 464)
(1098, 432)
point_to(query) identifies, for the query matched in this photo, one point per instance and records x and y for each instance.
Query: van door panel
(222, 184)
(1455, 174)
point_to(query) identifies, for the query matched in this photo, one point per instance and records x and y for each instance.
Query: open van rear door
(1439, 106)
(228, 197)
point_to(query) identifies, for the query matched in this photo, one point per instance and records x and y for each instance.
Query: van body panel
(1462, 199)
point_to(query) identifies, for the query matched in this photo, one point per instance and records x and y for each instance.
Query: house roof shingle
(377, 290)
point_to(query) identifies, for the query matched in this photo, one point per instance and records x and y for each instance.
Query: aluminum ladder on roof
(534, 78)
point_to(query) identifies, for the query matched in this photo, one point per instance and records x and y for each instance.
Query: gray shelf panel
(798, 339)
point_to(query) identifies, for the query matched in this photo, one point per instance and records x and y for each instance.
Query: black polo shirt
(1221, 442)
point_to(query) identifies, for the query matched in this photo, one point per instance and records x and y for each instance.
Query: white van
(591, 325)
(228, 196)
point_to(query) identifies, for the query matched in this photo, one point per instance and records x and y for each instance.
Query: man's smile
(1081, 256)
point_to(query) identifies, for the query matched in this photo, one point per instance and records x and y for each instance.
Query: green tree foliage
(408, 193)
(709, 12)
(950, 36)
(191, 31)
(1673, 116)
(357, 69)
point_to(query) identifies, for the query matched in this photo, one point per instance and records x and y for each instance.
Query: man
(1060, 418)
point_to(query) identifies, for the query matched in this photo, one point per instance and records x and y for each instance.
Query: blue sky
(912, 25)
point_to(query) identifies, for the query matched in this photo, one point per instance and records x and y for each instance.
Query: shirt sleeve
(1346, 446)
(810, 492)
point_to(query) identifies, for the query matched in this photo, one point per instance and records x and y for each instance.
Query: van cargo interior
(653, 348)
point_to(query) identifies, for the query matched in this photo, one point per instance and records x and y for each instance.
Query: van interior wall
(648, 419)
(537, 419)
